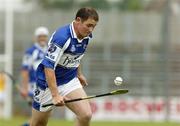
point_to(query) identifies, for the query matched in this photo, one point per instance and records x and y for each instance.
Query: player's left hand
(24, 93)
(83, 80)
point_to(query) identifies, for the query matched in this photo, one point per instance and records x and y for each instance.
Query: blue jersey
(64, 53)
(32, 58)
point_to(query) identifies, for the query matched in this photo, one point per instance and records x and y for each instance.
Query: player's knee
(86, 116)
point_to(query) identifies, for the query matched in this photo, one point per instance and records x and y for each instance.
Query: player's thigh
(40, 118)
(80, 108)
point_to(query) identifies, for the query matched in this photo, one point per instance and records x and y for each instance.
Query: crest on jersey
(84, 46)
(52, 48)
(73, 48)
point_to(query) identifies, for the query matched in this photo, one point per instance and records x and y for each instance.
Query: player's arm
(51, 80)
(50, 61)
(27, 60)
(81, 77)
(25, 82)
(56, 46)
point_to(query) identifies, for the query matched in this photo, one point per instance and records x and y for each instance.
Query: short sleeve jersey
(31, 59)
(64, 54)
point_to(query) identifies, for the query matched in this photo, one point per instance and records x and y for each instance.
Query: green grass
(55, 122)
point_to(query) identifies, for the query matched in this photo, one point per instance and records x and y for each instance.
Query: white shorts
(42, 97)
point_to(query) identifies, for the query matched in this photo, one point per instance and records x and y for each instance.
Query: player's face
(42, 40)
(86, 27)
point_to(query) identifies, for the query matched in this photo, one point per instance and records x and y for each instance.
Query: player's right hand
(58, 100)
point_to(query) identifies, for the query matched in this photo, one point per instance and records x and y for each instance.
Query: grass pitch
(55, 122)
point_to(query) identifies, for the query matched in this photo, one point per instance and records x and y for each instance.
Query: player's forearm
(79, 71)
(25, 79)
(51, 80)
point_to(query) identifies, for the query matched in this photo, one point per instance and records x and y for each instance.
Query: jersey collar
(74, 35)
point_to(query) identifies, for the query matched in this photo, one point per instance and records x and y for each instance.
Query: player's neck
(42, 47)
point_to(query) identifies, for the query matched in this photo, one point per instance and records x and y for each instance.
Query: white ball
(118, 81)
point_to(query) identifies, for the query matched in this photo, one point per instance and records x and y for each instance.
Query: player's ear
(78, 19)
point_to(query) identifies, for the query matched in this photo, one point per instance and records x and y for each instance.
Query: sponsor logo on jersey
(68, 60)
(71, 60)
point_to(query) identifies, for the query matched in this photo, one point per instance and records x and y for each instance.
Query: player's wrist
(24, 89)
(55, 95)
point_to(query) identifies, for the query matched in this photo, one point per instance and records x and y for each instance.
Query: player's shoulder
(62, 34)
(30, 49)
(64, 31)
